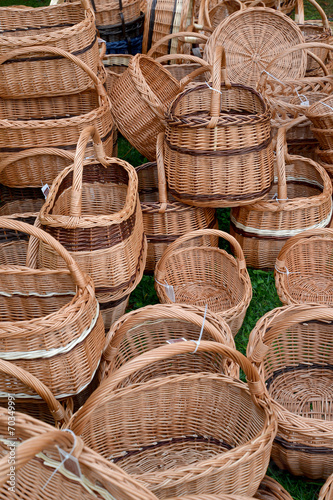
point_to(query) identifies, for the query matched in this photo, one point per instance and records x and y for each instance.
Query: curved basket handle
(27, 153)
(80, 279)
(286, 320)
(162, 184)
(299, 13)
(281, 150)
(56, 409)
(202, 232)
(184, 36)
(186, 57)
(76, 193)
(109, 384)
(219, 74)
(58, 52)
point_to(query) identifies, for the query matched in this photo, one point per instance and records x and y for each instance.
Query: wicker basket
(205, 275)
(70, 27)
(51, 122)
(164, 218)
(211, 16)
(218, 157)
(249, 49)
(300, 199)
(50, 321)
(321, 116)
(139, 99)
(112, 12)
(168, 432)
(304, 268)
(55, 464)
(103, 232)
(115, 65)
(326, 492)
(292, 348)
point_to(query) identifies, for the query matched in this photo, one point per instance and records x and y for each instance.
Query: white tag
(174, 341)
(170, 292)
(305, 103)
(70, 463)
(45, 190)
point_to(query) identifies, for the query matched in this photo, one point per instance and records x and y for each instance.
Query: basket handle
(162, 184)
(76, 193)
(56, 409)
(299, 13)
(113, 381)
(184, 36)
(27, 153)
(186, 57)
(238, 252)
(219, 74)
(287, 319)
(80, 279)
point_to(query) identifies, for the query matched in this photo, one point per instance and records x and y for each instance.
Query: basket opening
(159, 80)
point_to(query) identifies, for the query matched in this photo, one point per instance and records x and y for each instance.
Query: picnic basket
(217, 146)
(292, 348)
(69, 27)
(300, 199)
(181, 451)
(164, 218)
(113, 12)
(304, 268)
(200, 275)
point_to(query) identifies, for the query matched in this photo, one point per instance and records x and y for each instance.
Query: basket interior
(159, 80)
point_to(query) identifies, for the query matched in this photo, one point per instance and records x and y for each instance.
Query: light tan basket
(115, 65)
(113, 12)
(326, 492)
(203, 275)
(159, 430)
(292, 348)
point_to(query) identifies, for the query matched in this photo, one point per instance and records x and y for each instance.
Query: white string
(197, 342)
(304, 102)
(211, 88)
(327, 106)
(169, 290)
(287, 272)
(275, 197)
(67, 456)
(272, 76)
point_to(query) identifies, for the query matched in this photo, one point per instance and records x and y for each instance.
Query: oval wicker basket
(164, 218)
(300, 199)
(304, 268)
(51, 122)
(50, 321)
(217, 146)
(70, 27)
(203, 275)
(292, 348)
(115, 65)
(113, 12)
(159, 431)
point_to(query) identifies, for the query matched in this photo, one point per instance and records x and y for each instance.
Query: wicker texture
(115, 65)
(292, 348)
(140, 97)
(50, 122)
(217, 146)
(253, 37)
(321, 116)
(68, 27)
(103, 232)
(159, 432)
(113, 12)
(212, 15)
(203, 275)
(326, 492)
(300, 199)
(50, 321)
(304, 269)
(164, 218)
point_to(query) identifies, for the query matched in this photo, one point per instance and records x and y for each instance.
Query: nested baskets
(292, 348)
(50, 323)
(304, 268)
(93, 209)
(253, 37)
(69, 26)
(169, 433)
(139, 99)
(201, 275)
(164, 218)
(217, 146)
(300, 199)
(50, 122)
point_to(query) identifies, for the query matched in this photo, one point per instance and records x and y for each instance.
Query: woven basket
(217, 146)
(164, 218)
(140, 97)
(304, 268)
(112, 12)
(163, 17)
(70, 27)
(103, 232)
(292, 348)
(50, 321)
(51, 122)
(55, 464)
(250, 49)
(301, 198)
(203, 275)
(212, 16)
(321, 116)
(326, 492)
(115, 65)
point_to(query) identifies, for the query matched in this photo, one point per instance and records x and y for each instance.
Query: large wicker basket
(113, 12)
(70, 27)
(292, 348)
(217, 146)
(170, 432)
(201, 275)
(300, 199)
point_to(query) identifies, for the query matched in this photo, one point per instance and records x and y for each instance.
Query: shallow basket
(292, 348)
(200, 275)
(300, 199)
(169, 432)
(304, 269)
